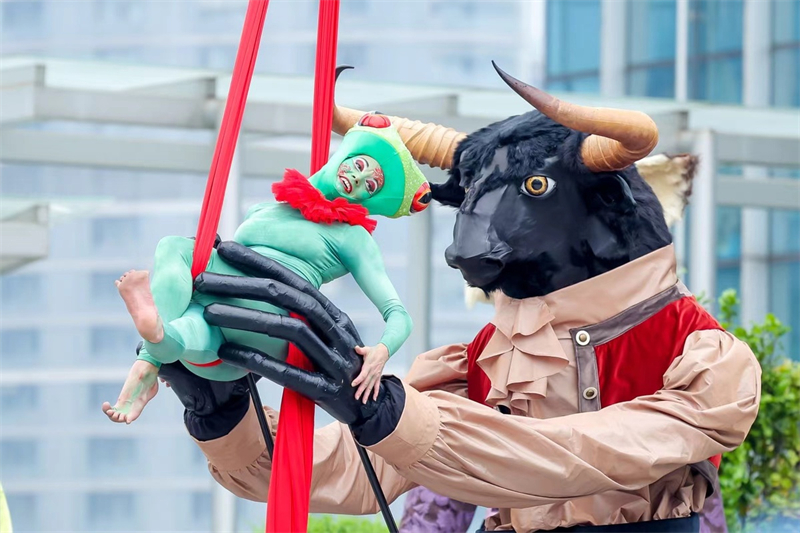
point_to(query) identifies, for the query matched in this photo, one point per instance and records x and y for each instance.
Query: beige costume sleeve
(472, 453)
(240, 463)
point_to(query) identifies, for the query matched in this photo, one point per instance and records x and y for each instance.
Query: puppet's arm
(362, 257)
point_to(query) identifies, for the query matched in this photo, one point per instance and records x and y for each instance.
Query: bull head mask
(509, 234)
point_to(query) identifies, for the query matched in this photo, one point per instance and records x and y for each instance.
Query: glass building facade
(651, 49)
(573, 46)
(63, 318)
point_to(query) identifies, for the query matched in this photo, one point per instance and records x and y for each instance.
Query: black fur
(590, 224)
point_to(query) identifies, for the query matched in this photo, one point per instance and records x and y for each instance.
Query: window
(22, 17)
(19, 347)
(19, 458)
(104, 292)
(104, 456)
(115, 234)
(651, 48)
(351, 54)
(786, 53)
(715, 50)
(19, 402)
(99, 393)
(784, 274)
(197, 456)
(21, 292)
(107, 341)
(111, 511)
(573, 45)
(24, 511)
(200, 509)
(729, 249)
(359, 7)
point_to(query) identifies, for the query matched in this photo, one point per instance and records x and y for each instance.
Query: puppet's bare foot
(134, 287)
(140, 387)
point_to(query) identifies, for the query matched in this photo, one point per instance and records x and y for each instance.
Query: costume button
(582, 338)
(590, 393)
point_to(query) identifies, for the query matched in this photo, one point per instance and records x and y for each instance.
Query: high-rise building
(65, 339)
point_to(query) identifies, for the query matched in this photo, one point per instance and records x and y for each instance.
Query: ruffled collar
(297, 191)
(522, 353)
(525, 349)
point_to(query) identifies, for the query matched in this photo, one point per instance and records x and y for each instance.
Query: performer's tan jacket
(551, 462)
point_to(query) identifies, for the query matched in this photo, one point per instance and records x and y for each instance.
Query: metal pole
(223, 503)
(533, 42)
(702, 266)
(682, 50)
(612, 47)
(681, 95)
(756, 85)
(418, 299)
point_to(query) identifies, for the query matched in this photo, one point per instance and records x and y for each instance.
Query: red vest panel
(630, 365)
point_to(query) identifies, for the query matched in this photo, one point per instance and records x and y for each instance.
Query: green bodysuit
(372, 172)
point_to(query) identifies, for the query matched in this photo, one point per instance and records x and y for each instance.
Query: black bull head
(546, 199)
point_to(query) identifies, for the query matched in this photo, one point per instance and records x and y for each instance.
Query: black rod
(262, 420)
(376, 488)
(362, 453)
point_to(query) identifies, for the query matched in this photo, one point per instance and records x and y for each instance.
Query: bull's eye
(538, 186)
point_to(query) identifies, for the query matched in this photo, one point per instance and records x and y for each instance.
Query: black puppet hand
(328, 340)
(212, 408)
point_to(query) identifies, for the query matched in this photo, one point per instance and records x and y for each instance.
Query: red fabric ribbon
(228, 134)
(290, 484)
(293, 458)
(324, 80)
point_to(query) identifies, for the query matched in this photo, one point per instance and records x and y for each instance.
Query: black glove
(212, 408)
(328, 340)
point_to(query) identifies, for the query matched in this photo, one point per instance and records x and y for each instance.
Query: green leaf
(760, 480)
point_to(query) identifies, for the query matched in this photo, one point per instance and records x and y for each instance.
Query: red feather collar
(297, 191)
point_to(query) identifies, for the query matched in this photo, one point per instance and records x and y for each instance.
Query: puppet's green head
(373, 167)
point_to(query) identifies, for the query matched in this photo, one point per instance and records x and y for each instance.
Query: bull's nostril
(494, 264)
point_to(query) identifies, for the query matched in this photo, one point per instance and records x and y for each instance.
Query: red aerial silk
(324, 80)
(228, 134)
(290, 485)
(292, 463)
(292, 459)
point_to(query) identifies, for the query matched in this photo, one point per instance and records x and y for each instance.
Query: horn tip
(503, 74)
(342, 68)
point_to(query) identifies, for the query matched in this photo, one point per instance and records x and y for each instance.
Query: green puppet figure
(320, 229)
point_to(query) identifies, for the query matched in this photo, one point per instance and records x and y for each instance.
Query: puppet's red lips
(206, 365)
(346, 184)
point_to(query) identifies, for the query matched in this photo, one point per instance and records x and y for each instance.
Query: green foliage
(760, 480)
(325, 523)
(345, 524)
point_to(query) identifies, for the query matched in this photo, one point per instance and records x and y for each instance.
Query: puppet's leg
(188, 337)
(140, 387)
(162, 299)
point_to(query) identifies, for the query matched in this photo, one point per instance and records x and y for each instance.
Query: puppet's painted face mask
(359, 177)
(373, 167)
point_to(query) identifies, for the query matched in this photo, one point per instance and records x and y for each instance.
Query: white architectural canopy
(161, 119)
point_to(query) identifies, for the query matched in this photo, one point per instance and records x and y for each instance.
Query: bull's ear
(670, 177)
(611, 192)
(448, 193)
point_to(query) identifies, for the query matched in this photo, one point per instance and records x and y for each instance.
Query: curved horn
(619, 137)
(429, 144)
